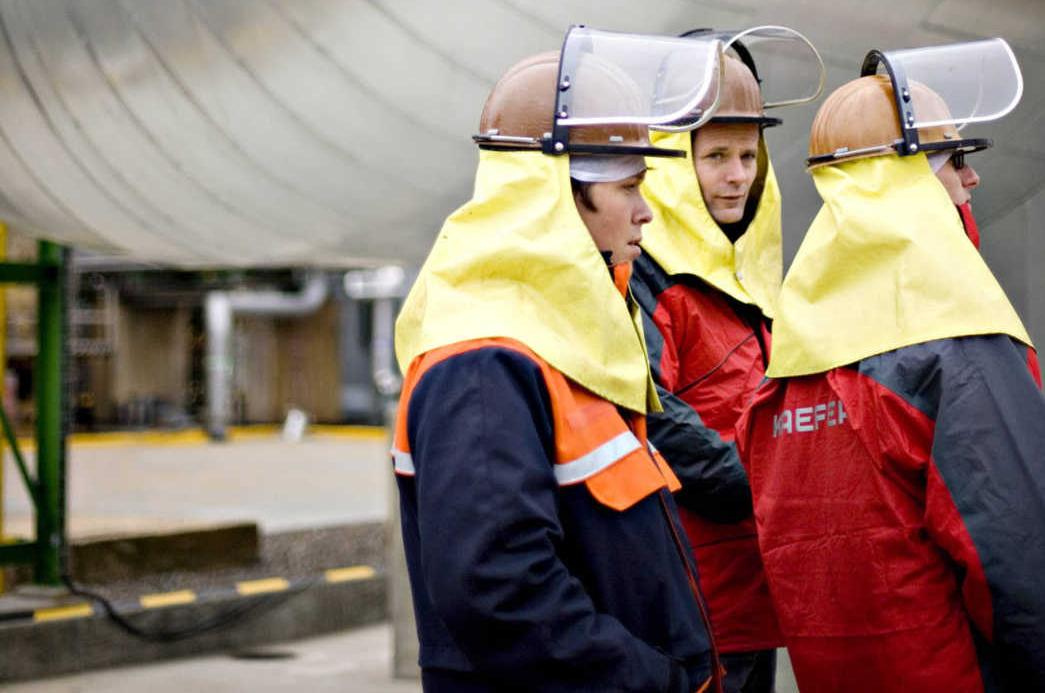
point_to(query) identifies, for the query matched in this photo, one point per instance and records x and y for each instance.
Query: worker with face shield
(706, 282)
(897, 453)
(543, 545)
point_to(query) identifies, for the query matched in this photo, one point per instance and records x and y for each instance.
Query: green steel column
(50, 401)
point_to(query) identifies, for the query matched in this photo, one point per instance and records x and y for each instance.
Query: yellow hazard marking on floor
(62, 613)
(357, 572)
(197, 436)
(127, 438)
(262, 586)
(162, 599)
(350, 432)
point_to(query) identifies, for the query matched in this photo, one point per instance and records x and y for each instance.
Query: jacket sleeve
(482, 441)
(985, 494)
(714, 484)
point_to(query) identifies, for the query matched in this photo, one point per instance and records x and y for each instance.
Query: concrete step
(130, 555)
(110, 559)
(305, 583)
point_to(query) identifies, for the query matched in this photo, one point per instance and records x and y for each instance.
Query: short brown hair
(582, 190)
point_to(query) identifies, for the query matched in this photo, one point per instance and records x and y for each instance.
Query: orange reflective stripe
(583, 421)
(626, 482)
(402, 460)
(593, 442)
(600, 458)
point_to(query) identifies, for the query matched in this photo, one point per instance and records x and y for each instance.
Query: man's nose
(643, 213)
(970, 179)
(735, 170)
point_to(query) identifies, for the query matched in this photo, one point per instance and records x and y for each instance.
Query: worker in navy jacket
(543, 544)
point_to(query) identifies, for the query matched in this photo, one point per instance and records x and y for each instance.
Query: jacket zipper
(694, 586)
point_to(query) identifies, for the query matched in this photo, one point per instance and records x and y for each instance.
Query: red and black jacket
(900, 504)
(708, 355)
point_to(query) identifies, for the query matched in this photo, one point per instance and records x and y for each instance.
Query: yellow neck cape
(885, 264)
(516, 261)
(683, 238)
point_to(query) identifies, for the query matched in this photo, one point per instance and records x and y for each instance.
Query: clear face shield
(786, 65)
(613, 79)
(789, 70)
(944, 88)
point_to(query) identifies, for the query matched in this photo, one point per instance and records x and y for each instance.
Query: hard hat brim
(764, 121)
(968, 146)
(496, 143)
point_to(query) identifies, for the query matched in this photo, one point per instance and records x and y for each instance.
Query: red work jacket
(708, 356)
(900, 504)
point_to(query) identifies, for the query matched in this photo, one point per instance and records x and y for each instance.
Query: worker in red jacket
(544, 547)
(707, 281)
(897, 453)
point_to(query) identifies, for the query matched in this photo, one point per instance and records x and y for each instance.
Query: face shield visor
(786, 66)
(612, 87)
(939, 90)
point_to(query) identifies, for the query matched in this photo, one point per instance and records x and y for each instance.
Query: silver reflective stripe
(652, 450)
(404, 462)
(596, 460)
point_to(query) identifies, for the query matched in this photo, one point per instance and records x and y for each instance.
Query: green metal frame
(47, 490)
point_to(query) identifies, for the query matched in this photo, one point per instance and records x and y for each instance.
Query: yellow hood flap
(517, 261)
(885, 264)
(683, 238)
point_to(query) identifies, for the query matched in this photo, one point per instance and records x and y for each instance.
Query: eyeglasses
(958, 159)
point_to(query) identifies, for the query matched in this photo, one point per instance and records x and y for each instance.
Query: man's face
(725, 157)
(958, 182)
(616, 216)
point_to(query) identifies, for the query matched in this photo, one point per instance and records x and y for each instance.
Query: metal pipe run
(220, 308)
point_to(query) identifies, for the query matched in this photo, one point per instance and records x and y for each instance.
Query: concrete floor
(354, 662)
(129, 486)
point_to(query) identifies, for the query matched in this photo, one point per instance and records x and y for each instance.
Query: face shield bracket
(902, 98)
(557, 142)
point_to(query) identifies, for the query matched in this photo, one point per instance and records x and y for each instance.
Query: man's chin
(728, 216)
(629, 254)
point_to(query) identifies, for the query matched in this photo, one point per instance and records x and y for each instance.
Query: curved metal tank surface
(335, 132)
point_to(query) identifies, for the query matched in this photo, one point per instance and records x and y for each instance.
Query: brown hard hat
(741, 98)
(519, 110)
(859, 120)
